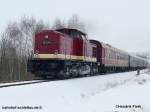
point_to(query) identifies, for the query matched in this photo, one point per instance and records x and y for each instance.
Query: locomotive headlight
(46, 36)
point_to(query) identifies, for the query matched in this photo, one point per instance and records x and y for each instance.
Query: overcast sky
(124, 24)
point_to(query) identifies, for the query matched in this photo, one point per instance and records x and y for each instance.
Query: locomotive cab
(74, 33)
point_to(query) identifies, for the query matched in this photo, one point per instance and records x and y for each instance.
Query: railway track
(23, 83)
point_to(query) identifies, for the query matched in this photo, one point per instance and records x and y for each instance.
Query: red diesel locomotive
(65, 53)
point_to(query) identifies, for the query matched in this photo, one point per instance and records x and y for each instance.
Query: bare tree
(7, 57)
(58, 24)
(15, 47)
(76, 23)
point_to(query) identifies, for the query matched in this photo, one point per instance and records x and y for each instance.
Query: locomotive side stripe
(62, 56)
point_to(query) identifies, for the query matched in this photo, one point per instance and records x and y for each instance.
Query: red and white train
(65, 53)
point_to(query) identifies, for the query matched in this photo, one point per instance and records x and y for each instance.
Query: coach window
(109, 55)
(118, 56)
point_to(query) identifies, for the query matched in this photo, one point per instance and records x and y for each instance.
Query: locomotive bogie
(61, 68)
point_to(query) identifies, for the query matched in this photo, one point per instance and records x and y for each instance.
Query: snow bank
(91, 94)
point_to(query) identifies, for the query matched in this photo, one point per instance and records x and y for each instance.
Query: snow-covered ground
(105, 93)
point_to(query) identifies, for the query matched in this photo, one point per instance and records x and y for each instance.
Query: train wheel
(64, 74)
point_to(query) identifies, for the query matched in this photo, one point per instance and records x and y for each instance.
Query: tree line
(17, 44)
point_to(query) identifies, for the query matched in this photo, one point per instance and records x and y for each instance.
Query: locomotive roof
(71, 29)
(109, 46)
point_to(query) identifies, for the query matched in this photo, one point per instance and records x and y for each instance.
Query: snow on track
(19, 82)
(90, 94)
(2, 85)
